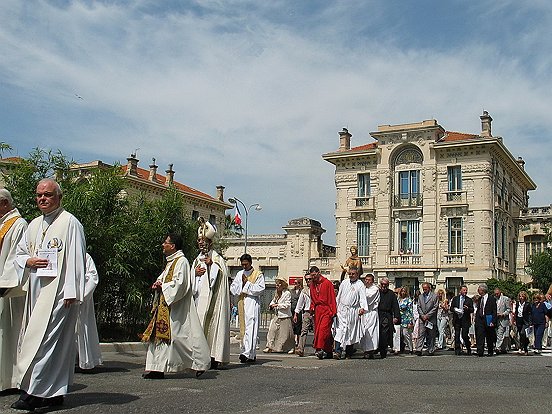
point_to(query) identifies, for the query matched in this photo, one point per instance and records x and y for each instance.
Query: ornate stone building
(534, 223)
(153, 184)
(426, 204)
(286, 255)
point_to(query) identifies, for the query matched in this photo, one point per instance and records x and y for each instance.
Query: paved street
(286, 383)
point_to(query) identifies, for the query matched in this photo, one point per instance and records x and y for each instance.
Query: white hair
(56, 185)
(5, 195)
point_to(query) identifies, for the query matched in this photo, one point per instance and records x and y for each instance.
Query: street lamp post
(257, 206)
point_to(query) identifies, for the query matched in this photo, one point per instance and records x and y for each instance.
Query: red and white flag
(237, 217)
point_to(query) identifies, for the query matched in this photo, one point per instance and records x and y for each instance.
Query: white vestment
(350, 299)
(88, 341)
(212, 298)
(370, 319)
(188, 348)
(47, 346)
(252, 309)
(13, 302)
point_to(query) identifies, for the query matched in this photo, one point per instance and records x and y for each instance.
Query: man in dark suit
(462, 309)
(485, 321)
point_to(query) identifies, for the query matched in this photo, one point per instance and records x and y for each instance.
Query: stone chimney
(220, 192)
(153, 171)
(521, 163)
(170, 176)
(486, 124)
(344, 140)
(132, 165)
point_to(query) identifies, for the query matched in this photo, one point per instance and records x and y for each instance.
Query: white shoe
(266, 350)
(292, 351)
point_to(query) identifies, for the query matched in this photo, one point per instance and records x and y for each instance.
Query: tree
(4, 147)
(22, 179)
(123, 234)
(539, 267)
(510, 287)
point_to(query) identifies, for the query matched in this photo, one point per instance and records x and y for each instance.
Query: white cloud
(250, 95)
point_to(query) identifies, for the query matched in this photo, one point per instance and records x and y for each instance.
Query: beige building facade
(424, 204)
(287, 255)
(153, 184)
(534, 224)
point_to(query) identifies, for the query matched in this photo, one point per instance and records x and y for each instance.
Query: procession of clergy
(47, 317)
(47, 282)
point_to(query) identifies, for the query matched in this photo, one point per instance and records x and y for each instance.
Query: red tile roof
(161, 179)
(12, 159)
(458, 136)
(365, 147)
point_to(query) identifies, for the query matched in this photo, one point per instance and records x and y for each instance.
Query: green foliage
(123, 235)
(539, 267)
(22, 180)
(4, 146)
(509, 287)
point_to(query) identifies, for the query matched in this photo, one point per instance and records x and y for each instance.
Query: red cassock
(324, 306)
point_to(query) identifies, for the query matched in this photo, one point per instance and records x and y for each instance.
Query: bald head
(48, 195)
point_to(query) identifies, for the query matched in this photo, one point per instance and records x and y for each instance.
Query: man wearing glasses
(302, 310)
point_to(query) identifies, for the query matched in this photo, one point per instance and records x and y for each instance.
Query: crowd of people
(47, 282)
(355, 314)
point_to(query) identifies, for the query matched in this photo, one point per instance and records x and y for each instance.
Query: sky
(249, 94)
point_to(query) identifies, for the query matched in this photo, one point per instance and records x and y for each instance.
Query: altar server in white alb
(174, 335)
(53, 249)
(12, 298)
(88, 341)
(370, 319)
(249, 283)
(351, 305)
(211, 295)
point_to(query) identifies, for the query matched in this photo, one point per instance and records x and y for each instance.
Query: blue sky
(249, 94)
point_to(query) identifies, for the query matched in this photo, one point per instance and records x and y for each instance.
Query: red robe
(324, 306)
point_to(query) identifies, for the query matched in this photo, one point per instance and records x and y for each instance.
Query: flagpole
(236, 200)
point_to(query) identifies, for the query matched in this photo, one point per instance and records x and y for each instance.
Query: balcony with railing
(408, 200)
(406, 260)
(454, 260)
(455, 197)
(363, 204)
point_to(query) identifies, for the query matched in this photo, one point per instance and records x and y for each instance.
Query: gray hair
(484, 287)
(57, 188)
(5, 195)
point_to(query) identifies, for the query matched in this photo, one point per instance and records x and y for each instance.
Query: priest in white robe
(371, 318)
(249, 283)
(12, 298)
(175, 337)
(212, 295)
(351, 305)
(52, 254)
(88, 341)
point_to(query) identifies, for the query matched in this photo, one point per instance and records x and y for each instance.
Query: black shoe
(214, 364)
(243, 358)
(418, 353)
(430, 353)
(468, 352)
(154, 375)
(54, 401)
(319, 354)
(199, 373)
(23, 405)
(29, 403)
(337, 355)
(327, 355)
(251, 361)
